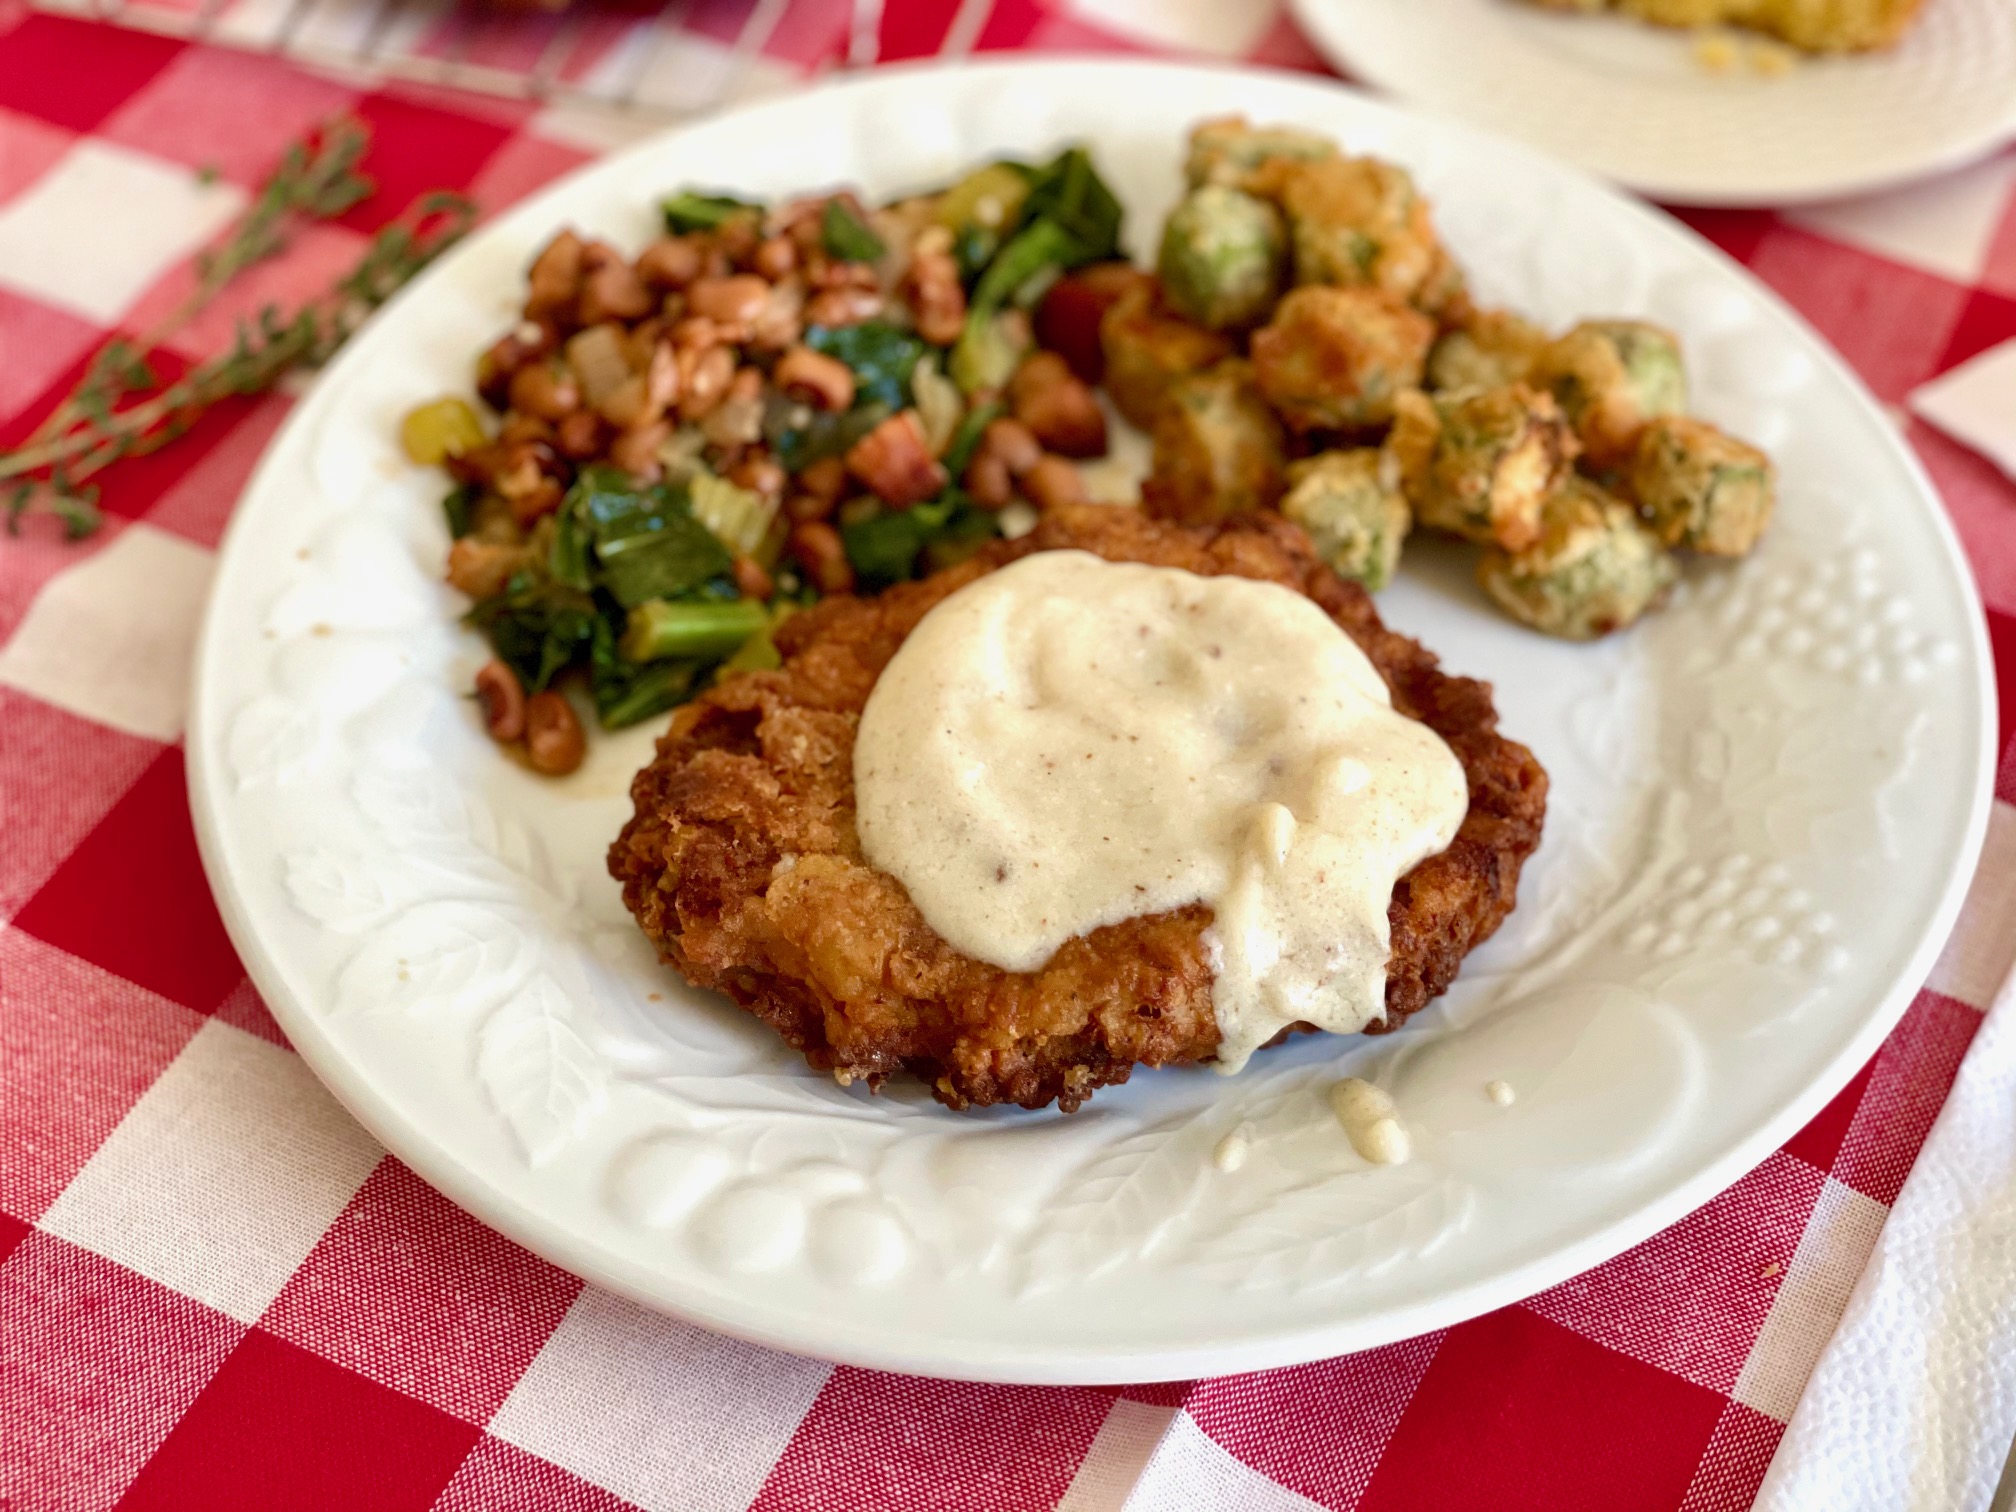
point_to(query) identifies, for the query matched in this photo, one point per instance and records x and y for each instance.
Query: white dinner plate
(1633, 103)
(1767, 802)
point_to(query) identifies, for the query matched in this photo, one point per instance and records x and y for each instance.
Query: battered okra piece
(1336, 359)
(1490, 349)
(1358, 220)
(1480, 462)
(1700, 487)
(1221, 258)
(1611, 376)
(1230, 151)
(1594, 569)
(1218, 449)
(1351, 504)
(1148, 348)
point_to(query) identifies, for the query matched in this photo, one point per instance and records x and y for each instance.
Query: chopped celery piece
(758, 654)
(739, 517)
(987, 200)
(661, 629)
(436, 431)
(990, 348)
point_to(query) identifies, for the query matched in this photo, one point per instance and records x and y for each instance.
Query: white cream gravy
(1070, 742)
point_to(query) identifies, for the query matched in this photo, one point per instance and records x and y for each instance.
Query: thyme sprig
(120, 408)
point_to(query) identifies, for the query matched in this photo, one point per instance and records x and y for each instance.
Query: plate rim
(832, 1337)
(1328, 35)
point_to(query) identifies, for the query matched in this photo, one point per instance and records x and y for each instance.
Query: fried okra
(1230, 151)
(1218, 449)
(1148, 348)
(1489, 349)
(1361, 221)
(1700, 487)
(1480, 462)
(1221, 258)
(1336, 359)
(1610, 377)
(1351, 504)
(1594, 569)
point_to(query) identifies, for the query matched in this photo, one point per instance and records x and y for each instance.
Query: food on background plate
(1821, 26)
(745, 859)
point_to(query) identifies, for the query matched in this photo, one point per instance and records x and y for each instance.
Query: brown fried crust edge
(742, 866)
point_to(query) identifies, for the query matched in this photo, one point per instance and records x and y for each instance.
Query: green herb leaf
(1069, 194)
(78, 512)
(1069, 218)
(824, 435)
(687, 211)
(1042, 248)
(570, 559)
(626, 694)
(966, 436)
(846, 235)
(882, 358)
(969, 528)
(973, 247)
(459, 505)
(647, 543)
(538, 629)
(883, 548)
(317, 178)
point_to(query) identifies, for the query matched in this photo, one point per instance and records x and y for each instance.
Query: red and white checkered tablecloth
(216, 1292)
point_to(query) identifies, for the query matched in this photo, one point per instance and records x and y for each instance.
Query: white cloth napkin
(1976, 404)
(1913, 1406)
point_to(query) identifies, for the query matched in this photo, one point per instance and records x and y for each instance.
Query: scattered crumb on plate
(1716, 52)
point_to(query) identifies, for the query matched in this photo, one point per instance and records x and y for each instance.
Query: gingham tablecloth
(217, 1292)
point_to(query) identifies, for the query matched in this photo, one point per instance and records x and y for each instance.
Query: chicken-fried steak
(742, 864)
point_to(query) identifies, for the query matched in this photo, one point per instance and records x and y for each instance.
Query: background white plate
(1630, 101)
(1767, 803)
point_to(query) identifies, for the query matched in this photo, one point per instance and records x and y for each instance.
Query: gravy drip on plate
(1070, 742)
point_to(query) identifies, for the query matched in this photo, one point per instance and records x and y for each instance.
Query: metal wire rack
(658, 63)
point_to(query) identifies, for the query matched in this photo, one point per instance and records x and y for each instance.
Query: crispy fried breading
(742, 865)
